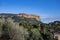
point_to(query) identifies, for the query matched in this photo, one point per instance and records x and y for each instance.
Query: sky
(48, 10)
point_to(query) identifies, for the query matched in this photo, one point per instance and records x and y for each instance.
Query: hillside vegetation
(18, 28)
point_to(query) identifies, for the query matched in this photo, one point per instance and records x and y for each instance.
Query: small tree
(16, 32)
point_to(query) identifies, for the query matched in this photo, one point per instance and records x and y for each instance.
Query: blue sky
(48, 10)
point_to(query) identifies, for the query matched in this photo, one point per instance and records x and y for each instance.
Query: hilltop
(32, 19)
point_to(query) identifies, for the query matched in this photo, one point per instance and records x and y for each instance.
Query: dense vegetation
(11, 29)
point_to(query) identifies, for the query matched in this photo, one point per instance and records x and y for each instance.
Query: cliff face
(30, 16)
